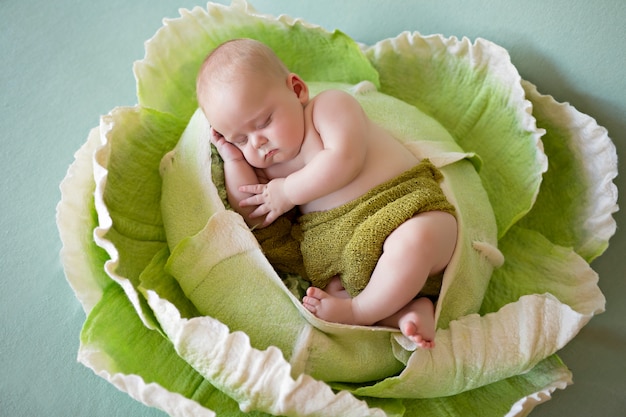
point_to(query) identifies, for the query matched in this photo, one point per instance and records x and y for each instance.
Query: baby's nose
(258, 141)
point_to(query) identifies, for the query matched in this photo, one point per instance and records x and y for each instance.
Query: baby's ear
(298, 86)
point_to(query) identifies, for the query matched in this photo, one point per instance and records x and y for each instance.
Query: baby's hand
(227, 150)
(269, 198)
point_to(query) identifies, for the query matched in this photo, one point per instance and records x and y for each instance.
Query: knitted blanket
(348, 240)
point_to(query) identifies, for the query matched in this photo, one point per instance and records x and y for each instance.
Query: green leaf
(166, 77)
(116, 345)
(578, 197)
(534, 265)
(474, 91)
(135, 140)
(500, 398)
(151, 371)
(128, 191)
(76, 219)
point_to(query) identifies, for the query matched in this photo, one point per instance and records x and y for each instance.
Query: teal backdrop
(65, 62)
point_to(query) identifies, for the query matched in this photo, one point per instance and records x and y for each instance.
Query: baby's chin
(259, 165)
(271, 158)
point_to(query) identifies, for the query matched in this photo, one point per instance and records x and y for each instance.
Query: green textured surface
(65, 63)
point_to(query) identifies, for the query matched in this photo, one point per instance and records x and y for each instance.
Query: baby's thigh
(430, 236)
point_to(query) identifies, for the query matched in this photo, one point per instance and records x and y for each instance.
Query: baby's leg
(416, 321)
(420, 247)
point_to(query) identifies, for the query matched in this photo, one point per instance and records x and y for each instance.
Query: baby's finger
(253, 200)
(253, 188)
(259, 212)
(269, 219)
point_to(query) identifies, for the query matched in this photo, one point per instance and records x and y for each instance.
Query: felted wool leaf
(186, 314)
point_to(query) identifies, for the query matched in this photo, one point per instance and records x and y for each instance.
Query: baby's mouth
(271, 153)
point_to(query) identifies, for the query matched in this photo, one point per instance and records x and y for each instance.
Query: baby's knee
(432, 234)
(442, 234)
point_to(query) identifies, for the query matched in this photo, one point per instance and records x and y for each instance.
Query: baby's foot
(328, 307)
(417, 322)
(335, 288)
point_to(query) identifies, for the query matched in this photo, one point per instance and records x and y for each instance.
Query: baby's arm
(237, 172)
(342, 126)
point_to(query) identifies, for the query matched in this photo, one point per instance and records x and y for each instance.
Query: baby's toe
(311, 304)
(317, 293)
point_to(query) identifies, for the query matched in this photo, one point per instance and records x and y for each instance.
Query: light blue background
(64, 63)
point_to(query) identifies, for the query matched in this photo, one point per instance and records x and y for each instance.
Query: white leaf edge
(589, 142)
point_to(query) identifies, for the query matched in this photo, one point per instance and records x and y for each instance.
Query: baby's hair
(235, 58)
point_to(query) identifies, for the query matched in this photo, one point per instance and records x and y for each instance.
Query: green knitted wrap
(348, 240)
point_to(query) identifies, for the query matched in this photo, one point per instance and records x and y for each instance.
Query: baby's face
(263, 118)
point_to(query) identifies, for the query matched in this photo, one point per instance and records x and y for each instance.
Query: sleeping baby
(374, 229)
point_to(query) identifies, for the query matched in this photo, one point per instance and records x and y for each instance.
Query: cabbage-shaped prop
(185, 313)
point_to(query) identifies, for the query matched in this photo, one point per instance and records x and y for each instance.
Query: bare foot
(417, 322)
(328, 307)
(335, 288)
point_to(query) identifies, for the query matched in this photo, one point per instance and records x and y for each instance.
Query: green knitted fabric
(348, 240)
(279, 246)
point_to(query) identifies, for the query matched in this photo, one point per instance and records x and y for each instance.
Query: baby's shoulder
(332, 96)
(332, 103)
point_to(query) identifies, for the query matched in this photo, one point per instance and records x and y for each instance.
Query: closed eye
(240, 140)
(266, 123)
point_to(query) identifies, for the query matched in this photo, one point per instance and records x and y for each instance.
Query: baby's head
(236, 59)
(251, 99)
